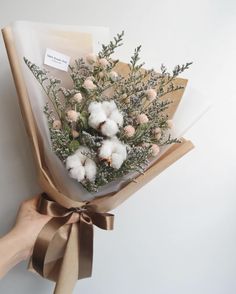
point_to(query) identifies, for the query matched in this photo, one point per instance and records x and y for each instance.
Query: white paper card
(56, 59)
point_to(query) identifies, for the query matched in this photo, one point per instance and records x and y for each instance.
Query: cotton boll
(76, 170)
(106, 149)
(117, 117)
(77, 173)
(109, 128)
(94, 106)
(95, 119)
(108, 107)
(106, 116)
(119, 148)
(81, 153)
(80, 166)
(114, 152)
(90, 169)
(72, 161)
(116, 160)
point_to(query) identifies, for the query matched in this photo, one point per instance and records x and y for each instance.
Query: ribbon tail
(68, 274)
(85, 247)
(40, 257)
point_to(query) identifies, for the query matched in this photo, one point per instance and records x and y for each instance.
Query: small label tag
(56, 59)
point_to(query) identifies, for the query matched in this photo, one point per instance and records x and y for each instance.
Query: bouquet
(97, 139)
(108, 126)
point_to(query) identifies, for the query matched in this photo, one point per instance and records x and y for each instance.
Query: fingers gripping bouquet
(110, 133)
(108, 125)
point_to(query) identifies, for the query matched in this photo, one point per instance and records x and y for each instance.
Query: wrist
(13, 251)
(18, 245)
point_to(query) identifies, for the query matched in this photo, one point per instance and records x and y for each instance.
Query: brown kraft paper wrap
(63, 252)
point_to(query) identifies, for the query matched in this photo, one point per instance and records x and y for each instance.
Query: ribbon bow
(64, 252)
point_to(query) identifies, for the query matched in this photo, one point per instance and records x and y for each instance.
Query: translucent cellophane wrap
(31, 40)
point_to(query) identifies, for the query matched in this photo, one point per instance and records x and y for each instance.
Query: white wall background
(178, 234)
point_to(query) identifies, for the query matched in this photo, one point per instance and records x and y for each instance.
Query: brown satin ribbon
(64, 252)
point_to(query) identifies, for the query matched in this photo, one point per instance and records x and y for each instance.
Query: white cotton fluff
(108, 107)
(117, 117)
(72, 161)
(90, 169)
(74, 165)
(109, 128)
(113, 151)
(81, 153)
(97, 115)
(116, 160)
(80, 166)
(77, 173)
(106, 116)
(94, 106)
(112, 112)
(106, 149)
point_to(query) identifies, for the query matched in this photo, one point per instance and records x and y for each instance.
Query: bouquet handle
(76, 243)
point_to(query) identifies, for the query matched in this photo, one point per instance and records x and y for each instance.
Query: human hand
(27, 226)
(18, 244)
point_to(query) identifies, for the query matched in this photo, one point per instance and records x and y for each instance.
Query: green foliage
(108, 50)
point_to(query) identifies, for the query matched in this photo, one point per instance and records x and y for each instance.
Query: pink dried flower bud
(56, 125)
(91, 58)
(142, 118)
(155, 149)
(129, 131)
(157, 133)
(103, 62)
(101, 74)
(78, 97)
(157, 130)
(89, 85)
(113, 75)
(151, 94)
(90, 78)
(158, 136)
(170, 124)
(127, 100)
(75, 134)
(72, 115)
(145, 145)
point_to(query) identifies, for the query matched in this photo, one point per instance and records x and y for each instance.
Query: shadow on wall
(17, 171)
(26, 282)
(17, 177)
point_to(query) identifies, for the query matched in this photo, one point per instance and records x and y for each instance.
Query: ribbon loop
(59, 242)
